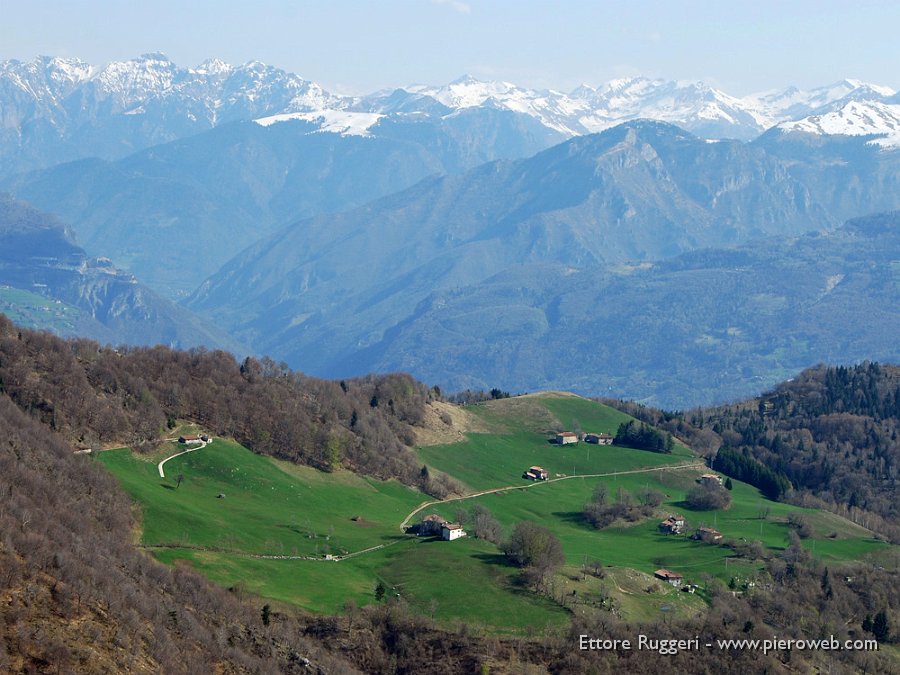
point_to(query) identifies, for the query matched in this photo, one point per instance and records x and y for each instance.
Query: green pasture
(267, 507)
(576, 412)
(273, 508)
(277, 508)
(315, 585)
(485, 461)
(466, 582)
(524, 429)
(26, 308)
(558, 506)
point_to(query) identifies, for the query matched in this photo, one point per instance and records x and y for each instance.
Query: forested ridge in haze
(48, 280)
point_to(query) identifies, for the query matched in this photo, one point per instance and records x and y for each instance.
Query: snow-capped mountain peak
(72, 97)
(878, 89)
(131, 82)
(467, 92)
(214, 67)
(46, 77)
(794, 104)
(855, 118)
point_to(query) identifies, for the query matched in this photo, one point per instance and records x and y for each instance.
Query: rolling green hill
(270, 528)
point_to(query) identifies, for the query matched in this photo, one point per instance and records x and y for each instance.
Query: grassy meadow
(274, 524)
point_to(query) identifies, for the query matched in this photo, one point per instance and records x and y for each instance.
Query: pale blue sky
(357, 46)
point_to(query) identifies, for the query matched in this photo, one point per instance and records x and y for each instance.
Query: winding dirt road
(162, 474)
(665, 467)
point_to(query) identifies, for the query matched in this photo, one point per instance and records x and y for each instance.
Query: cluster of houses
(536, 473)
(675, 524)
(567, 437)
(435, 526)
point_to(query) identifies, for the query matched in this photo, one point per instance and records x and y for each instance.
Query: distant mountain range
(342, 293)
(59, 109)
(695, 106)
(174, 213)
(47, 281)
(466, 232)
(703, 327)
(177, 169)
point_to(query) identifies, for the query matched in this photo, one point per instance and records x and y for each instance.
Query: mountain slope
(702, 327)
(695, 106)
(695, 329)
(40, 256)
(832, 431)
(856, 118)
(639, 192)
(175, 213)
(849, 174)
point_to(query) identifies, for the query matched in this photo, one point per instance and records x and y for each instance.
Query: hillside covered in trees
(94, 395)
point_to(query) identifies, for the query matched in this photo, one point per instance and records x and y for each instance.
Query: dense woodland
(828, 438)
(643, 437)
(95, 396)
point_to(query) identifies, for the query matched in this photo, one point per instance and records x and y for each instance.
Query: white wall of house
(450, 535)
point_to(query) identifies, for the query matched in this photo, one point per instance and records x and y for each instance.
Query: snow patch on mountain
(335, 121)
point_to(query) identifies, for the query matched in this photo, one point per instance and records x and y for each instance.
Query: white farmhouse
(451, 531)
